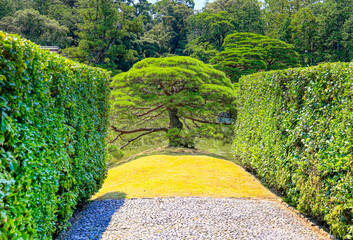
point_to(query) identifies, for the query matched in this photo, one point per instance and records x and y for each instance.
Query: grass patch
(211, 147)
(217, 147)
(180, 175)
(166, 150)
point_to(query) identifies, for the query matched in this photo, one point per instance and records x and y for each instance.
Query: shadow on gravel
(93, 221)
(111, 195)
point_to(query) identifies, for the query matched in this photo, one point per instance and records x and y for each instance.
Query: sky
(199, 4)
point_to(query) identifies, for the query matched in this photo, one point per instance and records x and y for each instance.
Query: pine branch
(131, 140)
(149, 111)
(140, 130)
(205, 121)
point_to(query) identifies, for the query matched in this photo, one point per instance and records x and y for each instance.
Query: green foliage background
(52, 136)
(116, 34)
(294, 129)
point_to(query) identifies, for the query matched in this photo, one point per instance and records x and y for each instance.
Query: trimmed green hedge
(54, 115)
(295, 130)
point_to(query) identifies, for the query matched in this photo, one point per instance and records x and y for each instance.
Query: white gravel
(189, 218)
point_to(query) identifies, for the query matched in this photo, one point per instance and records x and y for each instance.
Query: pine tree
(169, 95)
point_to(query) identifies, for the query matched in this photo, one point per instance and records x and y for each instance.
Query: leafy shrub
(295, 129)
(52, 138)
(115, 152)
(179, 138)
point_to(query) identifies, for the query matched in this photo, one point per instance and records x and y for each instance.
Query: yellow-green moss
(172, 176)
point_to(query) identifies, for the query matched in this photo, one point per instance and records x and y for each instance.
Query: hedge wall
(295, 130)
(53, 125)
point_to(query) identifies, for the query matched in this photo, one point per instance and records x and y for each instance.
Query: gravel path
(189, 218)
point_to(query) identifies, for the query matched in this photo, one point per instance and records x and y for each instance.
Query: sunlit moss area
(159, 146)
(180, 176)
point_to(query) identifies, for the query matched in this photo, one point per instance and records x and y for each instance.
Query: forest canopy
(116, 34)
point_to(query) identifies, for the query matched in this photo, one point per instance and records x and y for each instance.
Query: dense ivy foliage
(52, 136)
(295, 130)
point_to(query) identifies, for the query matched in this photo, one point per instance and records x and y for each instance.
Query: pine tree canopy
(156, 90)
(247, 53)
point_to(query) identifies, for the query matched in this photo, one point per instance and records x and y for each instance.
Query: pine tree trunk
(174, 119)
(175, 139)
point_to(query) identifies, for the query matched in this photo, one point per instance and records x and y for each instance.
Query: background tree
(62, 11)
(106, 34)
(171, 30)
(246, 15)
(116, 34)
(159, 36)
(277, 13)
(203, 51)
(24, 4)
(247, 53)
(303, 34)
(38, 28)
(98, 30)
(142, 8)
(169, 95)
(66, 13)
(7, 8)
(347, 39)
(236, 62)
(332, 17)
(206, 33)
(210, 28)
